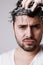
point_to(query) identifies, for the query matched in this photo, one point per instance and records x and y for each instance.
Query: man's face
(28, 32)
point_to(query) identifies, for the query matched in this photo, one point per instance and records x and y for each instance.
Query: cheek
(38, 34)
(19, 34)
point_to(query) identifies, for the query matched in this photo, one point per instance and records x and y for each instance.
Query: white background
(7, 39)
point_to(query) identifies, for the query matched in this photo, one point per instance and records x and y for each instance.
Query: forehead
(27, 20)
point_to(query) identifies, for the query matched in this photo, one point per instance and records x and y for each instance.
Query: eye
(36, 26)
(22, 27)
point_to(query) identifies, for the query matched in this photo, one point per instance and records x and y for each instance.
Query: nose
(29, 32)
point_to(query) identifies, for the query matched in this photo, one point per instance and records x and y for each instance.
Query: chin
(29, 48)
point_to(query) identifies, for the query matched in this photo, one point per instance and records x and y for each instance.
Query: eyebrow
(22, 25)
(35, 25)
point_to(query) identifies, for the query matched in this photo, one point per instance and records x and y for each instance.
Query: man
(28, 29)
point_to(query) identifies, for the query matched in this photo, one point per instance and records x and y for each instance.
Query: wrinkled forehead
(27, 20)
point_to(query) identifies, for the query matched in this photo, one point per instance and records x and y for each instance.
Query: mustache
(29, 39)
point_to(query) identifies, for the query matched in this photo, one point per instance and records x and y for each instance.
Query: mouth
(28, 41)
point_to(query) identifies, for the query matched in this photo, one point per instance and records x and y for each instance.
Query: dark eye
(23, 27)
(36, 26)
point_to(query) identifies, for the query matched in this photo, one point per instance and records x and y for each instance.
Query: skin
(28, 32)
(25, 4)
(22, 28)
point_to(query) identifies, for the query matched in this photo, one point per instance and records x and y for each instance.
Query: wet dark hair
(19, 10)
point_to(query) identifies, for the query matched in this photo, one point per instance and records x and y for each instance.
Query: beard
(27, 46)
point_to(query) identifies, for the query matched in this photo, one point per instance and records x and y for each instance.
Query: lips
(28, 41)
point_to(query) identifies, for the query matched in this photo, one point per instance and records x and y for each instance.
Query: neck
(27, 53)
(21, 56)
